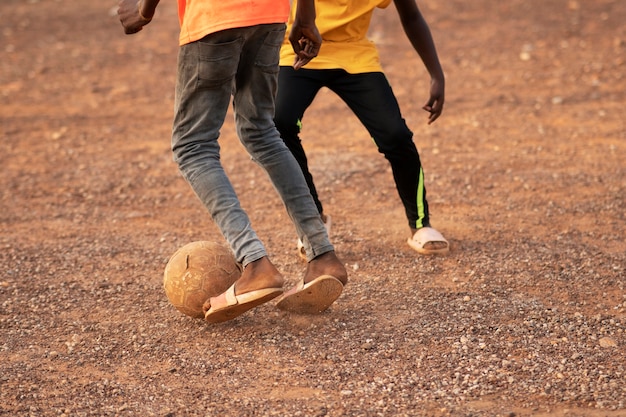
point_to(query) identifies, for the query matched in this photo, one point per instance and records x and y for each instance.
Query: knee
(191, 156)
(288, 126)
(396, 142)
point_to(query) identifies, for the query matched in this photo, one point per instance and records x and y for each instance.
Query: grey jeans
(242, 63)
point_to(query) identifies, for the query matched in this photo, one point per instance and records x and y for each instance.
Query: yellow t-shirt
(343, 25)
(199, 18)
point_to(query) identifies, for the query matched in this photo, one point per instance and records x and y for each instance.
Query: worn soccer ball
(197, 271)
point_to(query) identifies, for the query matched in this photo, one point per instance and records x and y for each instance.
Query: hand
(306, 43)
(434, 106)
(131, 19)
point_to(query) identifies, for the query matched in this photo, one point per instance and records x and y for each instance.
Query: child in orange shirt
(231, 49)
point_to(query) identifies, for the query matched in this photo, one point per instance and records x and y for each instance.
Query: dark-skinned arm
(304, 37)
(418, 33)
(134, 15)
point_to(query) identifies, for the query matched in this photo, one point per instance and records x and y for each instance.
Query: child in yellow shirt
(348, 64)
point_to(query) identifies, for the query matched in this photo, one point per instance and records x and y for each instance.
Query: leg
(254, 93)
(296, 91)
(372, 100)
(205, 74)
(206, 71)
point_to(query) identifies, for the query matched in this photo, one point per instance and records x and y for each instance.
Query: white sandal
(428, 235)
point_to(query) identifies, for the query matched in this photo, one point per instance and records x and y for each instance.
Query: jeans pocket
(269, 54)
(217, 62)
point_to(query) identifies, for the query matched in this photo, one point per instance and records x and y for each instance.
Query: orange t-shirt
(199, 18)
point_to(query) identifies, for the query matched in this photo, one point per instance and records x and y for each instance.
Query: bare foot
(322, 284)
(326, 264)
(256, 275)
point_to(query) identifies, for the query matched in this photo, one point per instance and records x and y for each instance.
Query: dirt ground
(526, 176)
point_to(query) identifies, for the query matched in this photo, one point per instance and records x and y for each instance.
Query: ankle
(259, 274)
(326, 264)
